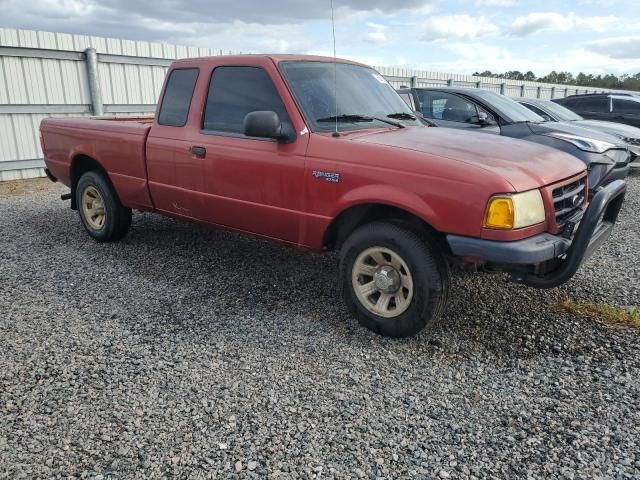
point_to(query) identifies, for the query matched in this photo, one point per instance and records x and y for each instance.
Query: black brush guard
(595, 227)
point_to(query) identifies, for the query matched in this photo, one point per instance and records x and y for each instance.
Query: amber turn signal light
(500, 213)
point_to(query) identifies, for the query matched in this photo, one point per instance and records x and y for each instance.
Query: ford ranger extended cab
(324, 155)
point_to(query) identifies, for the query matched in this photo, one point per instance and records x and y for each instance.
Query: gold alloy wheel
(382, 282)
(93, 207)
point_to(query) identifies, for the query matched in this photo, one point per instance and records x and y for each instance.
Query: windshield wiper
(358, 118)
(346, 118)
(402, 116)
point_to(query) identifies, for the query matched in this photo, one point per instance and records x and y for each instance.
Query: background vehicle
(612, 107)
(606, 156)
(554, 112)
(256, 144)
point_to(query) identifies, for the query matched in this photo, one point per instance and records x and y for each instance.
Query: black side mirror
(484, 120)
(266, 124)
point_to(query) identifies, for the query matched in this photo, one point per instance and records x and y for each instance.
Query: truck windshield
(364, 98)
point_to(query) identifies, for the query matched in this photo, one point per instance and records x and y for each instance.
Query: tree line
(622, 82)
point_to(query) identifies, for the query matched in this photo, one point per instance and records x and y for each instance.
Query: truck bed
(118, 144)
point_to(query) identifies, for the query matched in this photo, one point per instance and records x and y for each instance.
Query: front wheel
(392, 279)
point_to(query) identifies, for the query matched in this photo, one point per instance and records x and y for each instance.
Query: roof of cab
(276, 58)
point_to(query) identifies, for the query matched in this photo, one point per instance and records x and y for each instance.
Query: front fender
(392, 196)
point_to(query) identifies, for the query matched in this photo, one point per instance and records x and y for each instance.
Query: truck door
(170, 169)
(246, 183)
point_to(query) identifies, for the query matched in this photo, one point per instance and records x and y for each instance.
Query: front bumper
(555, 258)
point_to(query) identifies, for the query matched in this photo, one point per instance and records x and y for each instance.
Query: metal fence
(57, 74)
(514, 88)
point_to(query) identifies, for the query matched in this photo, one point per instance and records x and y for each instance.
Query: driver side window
(235, 92)
(450, 107)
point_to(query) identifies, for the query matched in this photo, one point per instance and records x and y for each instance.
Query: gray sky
(454, 35)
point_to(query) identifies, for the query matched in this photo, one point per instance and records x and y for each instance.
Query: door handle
(199, 151)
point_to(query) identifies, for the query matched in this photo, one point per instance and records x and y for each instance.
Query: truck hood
(525, 165)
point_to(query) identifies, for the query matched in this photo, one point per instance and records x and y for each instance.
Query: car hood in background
(573, 129)
(612, 128)
(526, 165)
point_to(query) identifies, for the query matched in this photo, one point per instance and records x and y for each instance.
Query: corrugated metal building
(44, 74)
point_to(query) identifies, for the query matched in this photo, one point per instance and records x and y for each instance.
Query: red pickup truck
(324, 155)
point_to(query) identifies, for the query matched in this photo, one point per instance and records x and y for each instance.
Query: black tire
(117, 218)
(427, 268)
(442, 278)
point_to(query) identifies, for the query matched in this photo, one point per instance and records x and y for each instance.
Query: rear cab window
(176, 102)
(234, 92)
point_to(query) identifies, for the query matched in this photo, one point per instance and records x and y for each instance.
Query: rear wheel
(100, 210)
(393, 280)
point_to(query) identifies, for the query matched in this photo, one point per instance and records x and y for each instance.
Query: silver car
(553, 112)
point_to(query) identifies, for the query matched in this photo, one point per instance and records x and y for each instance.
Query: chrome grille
(568, 199)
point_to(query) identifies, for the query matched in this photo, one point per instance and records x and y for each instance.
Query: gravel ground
(184, 352)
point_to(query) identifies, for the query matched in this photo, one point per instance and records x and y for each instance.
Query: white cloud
(464, 26)
(377, 34)
(134, 19)
(497, 3)
(479, 56)
(61, 8)
(468, 57)
(553, 21)
(607, 3)
(371, 60)
(247, 37)
(583, 60)
(617, 47)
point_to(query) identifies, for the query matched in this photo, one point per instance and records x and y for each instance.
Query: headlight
(518, 210)
(583, 143)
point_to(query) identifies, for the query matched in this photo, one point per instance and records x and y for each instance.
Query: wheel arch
(355, 216)
(82, 163)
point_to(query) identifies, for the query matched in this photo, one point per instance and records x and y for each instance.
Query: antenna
(335, 69)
